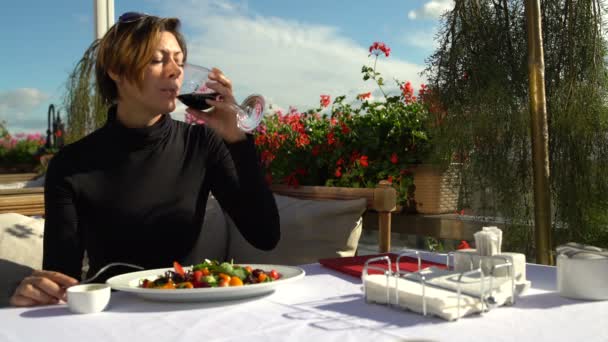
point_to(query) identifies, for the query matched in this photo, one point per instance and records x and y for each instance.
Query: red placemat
(354, 265)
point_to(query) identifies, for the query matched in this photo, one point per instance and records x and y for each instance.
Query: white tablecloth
(324, 306)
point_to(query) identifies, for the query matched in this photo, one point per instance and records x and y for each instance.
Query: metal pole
(110, 14)
(540, 135)
(104, 16)
(100, 10)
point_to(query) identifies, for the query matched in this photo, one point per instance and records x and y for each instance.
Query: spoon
(105, 268)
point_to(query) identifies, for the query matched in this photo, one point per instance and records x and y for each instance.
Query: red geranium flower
(378, 47)
(345, 129)
(338, 172)
(331, 138)
(364, 96)
(394, 158)
(302, 140)
(325, 100)
(363, 161)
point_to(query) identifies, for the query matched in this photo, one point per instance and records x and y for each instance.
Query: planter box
(436, 189)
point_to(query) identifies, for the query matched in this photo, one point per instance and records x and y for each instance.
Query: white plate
(129, 282)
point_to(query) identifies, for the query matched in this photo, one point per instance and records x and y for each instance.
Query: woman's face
(162, 79)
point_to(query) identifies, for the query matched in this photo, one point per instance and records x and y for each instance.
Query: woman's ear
(114, 76)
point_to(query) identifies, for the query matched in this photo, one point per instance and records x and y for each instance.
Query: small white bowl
(88, 298)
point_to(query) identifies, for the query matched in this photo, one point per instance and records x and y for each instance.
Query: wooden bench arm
(24, 201)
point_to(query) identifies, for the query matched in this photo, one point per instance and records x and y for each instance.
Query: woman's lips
(169, 91)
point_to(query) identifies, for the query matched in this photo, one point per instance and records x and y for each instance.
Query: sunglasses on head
(130, 17)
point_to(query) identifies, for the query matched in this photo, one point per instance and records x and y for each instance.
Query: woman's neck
(135, 116)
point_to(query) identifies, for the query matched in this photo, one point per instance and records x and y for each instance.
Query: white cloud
(289, 62)
(433, 9)
(421, 39)
(17, 105)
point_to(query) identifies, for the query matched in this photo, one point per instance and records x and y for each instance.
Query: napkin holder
(582, 272)
(448, 294)
(469, 259)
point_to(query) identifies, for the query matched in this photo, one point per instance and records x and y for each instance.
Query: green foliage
(479, 79)
(86, 110)
(3, 129)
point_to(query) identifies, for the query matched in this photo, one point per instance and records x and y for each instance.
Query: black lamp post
(54, 131)
(49, 132)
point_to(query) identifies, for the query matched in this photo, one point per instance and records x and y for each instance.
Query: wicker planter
(436, 189)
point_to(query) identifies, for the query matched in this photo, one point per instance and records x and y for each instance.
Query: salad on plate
(209, 273)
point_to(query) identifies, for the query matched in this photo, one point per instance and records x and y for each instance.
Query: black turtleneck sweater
(139, 195)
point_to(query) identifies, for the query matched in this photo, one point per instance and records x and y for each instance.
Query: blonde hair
(127, 49)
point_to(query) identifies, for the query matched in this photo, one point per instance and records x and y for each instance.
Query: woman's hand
(42, 288)
(222, 118)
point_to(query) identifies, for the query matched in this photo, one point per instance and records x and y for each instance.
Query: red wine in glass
(194, 92)
(197, 100)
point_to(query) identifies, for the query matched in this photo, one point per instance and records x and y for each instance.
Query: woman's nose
(175, 70)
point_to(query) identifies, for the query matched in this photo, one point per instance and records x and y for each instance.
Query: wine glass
(194, 92)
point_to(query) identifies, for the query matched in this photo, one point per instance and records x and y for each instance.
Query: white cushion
(310, 230)
(21, 239)
(38, 182)
(13, 185)
(20, 251)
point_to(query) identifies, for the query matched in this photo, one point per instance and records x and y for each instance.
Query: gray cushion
(213, 239)
(310, 230)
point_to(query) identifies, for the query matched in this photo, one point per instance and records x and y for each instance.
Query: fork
(105, 268)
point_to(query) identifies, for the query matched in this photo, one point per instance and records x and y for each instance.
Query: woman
(135, 190)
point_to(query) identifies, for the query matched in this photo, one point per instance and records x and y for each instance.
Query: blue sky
(289, 51)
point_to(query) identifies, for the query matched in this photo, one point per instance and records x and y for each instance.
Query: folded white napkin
(488, 241)
(498, 237)
(572, 248)
(440, 292)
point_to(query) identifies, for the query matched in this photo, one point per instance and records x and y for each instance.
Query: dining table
(324, 305)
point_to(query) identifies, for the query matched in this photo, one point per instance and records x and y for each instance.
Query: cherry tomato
(197, 275)
(262, 277)
(274, 274)
(236, 281)
(223, 283)
(179, 269)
